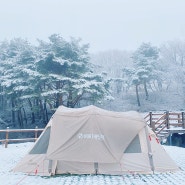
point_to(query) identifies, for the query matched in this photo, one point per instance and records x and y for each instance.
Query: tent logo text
(98, 137)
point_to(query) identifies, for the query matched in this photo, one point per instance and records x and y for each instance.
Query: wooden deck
(164, 124)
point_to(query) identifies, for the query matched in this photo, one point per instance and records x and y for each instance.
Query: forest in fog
(36, 79)
(148, 79)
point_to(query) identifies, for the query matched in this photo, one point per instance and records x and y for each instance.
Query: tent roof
(93, 110)
(75, 129)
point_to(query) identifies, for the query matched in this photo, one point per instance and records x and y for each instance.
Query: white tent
(91, 140)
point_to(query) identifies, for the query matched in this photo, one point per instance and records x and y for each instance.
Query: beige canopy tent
(91, 140)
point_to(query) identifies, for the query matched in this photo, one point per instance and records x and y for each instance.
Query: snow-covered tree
(173, 60)
(70, 77)
(15, 58)
(144, 70)
(111, 63)
(35, 79)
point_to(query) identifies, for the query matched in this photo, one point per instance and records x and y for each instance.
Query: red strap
(150, 138)
(36, 170)
(157, 140)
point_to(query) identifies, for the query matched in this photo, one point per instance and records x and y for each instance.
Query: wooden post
(153, 126)
(36, 133)
(170, 139)
(150, 113)
(183, 121)
(7, 135)
(167, 120)
(178, 117)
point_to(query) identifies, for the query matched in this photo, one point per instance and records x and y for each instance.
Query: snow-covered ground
(11, 155)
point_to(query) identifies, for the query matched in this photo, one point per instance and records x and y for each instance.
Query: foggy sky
(105, 24)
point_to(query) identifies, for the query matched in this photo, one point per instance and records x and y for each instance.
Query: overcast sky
(105, 24)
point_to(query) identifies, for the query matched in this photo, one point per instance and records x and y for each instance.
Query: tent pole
(150, 154)
(96, 168)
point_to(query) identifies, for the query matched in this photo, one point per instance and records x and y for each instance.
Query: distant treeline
(35, 80)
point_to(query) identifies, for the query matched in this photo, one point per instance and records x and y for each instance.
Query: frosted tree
(68, 74)
(144, 68)
(173, 58)
(35, 80)
(111, 63)
(174, 52)
(3, 56)
(15, 58)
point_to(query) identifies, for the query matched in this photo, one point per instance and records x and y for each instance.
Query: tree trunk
(42, 112)
(25, 117)
(70, 100)
(137, 95)
(58, 100)
(46, 111)
(36, 104)
(77, 100)
(146, 91)
(59, 96)
(19, 117)
(2, 99)
(13, 112)
(32, 112)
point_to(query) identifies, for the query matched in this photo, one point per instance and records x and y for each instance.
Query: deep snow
(11, 155)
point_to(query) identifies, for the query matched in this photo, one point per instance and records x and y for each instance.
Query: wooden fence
(161, 123)
(7, 132)
(166, 123)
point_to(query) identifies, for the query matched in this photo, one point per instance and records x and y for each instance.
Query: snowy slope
(11, 155)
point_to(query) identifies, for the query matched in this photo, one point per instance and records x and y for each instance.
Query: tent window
(134, 146)
(42, 145)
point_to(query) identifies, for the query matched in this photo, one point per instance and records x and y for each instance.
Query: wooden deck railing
(159, 122)
(8, 131)
(171, 122)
